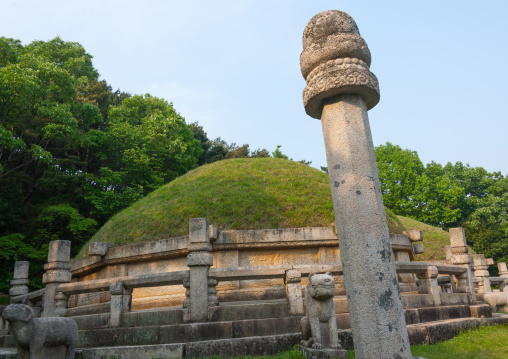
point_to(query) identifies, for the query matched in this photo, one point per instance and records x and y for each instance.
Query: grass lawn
(485, 342)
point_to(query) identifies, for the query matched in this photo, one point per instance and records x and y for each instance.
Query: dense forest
(73, 152)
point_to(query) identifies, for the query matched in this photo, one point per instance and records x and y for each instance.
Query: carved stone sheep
(32, 334)
(498, 301)
(319, 326)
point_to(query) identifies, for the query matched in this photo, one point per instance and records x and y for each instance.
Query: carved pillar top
(335, 60)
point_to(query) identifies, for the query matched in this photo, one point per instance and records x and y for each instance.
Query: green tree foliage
(413, 190)
(72, 151)
(218, 149)
(451, 196)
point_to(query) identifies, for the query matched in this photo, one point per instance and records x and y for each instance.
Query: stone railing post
(19, 282)
(61, 302)
(294, 297)
(460, 257)
(481, 272)
(57, 271)
(121, 301)
(503, 272)
(427, 284)
(199, 262)
(503, 269)
(340, 90)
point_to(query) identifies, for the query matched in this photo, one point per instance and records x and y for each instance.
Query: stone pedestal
(57, 271)
(19, 282)
(340, 89)
(199, 262)
(459, 256)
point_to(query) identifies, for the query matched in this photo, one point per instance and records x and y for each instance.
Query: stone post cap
(335, 60)
(489, 261)
(414, 235)
(59, 251)
(21, 269)
(418, 248)
(199, 231)
(98, 248)
(457, 237)
(479, 261)
(502, 267)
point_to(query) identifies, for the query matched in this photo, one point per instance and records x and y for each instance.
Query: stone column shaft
(375, 305)
(335, 63)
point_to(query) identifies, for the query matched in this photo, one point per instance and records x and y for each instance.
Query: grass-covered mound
(246, 193)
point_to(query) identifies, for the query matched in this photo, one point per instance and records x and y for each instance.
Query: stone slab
(310, 353)
(166, 351)
(195, 332)
(249, 310)
(262, 327)
(256, 346)
(118, 336)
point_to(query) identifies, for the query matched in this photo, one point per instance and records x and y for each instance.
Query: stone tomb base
(310, 353)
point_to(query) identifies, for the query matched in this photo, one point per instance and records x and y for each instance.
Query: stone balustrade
(201, 278)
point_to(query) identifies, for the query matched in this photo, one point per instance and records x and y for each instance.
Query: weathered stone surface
(503, 270)
(256, 346)
(480, 311)
(418, 248)
(335, 60)
(414, 235)
(20, 278)
(59, 251)
(166, 351)
(98, 248)
(311, 353)
(458, 238)
(369, 273)
(195, 332)
(33, 335)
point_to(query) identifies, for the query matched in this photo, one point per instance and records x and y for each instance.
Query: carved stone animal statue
(498, 301)
(319, 326)
(32, 334)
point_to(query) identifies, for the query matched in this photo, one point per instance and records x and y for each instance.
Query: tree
(411, 189)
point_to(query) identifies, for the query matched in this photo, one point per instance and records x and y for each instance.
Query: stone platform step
(423, 333)
(226, 330)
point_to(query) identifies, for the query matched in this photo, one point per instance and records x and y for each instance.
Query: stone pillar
(57, 271)
(427, 284)
(121, 301)
(199, 261)
(481, 272)
(340, 89)
(460, 257)
(294, 297)
(19, 282)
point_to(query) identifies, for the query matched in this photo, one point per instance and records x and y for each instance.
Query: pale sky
(233, 66)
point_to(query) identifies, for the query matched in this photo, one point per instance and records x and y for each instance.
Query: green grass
(246, 193)
(485, 342)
